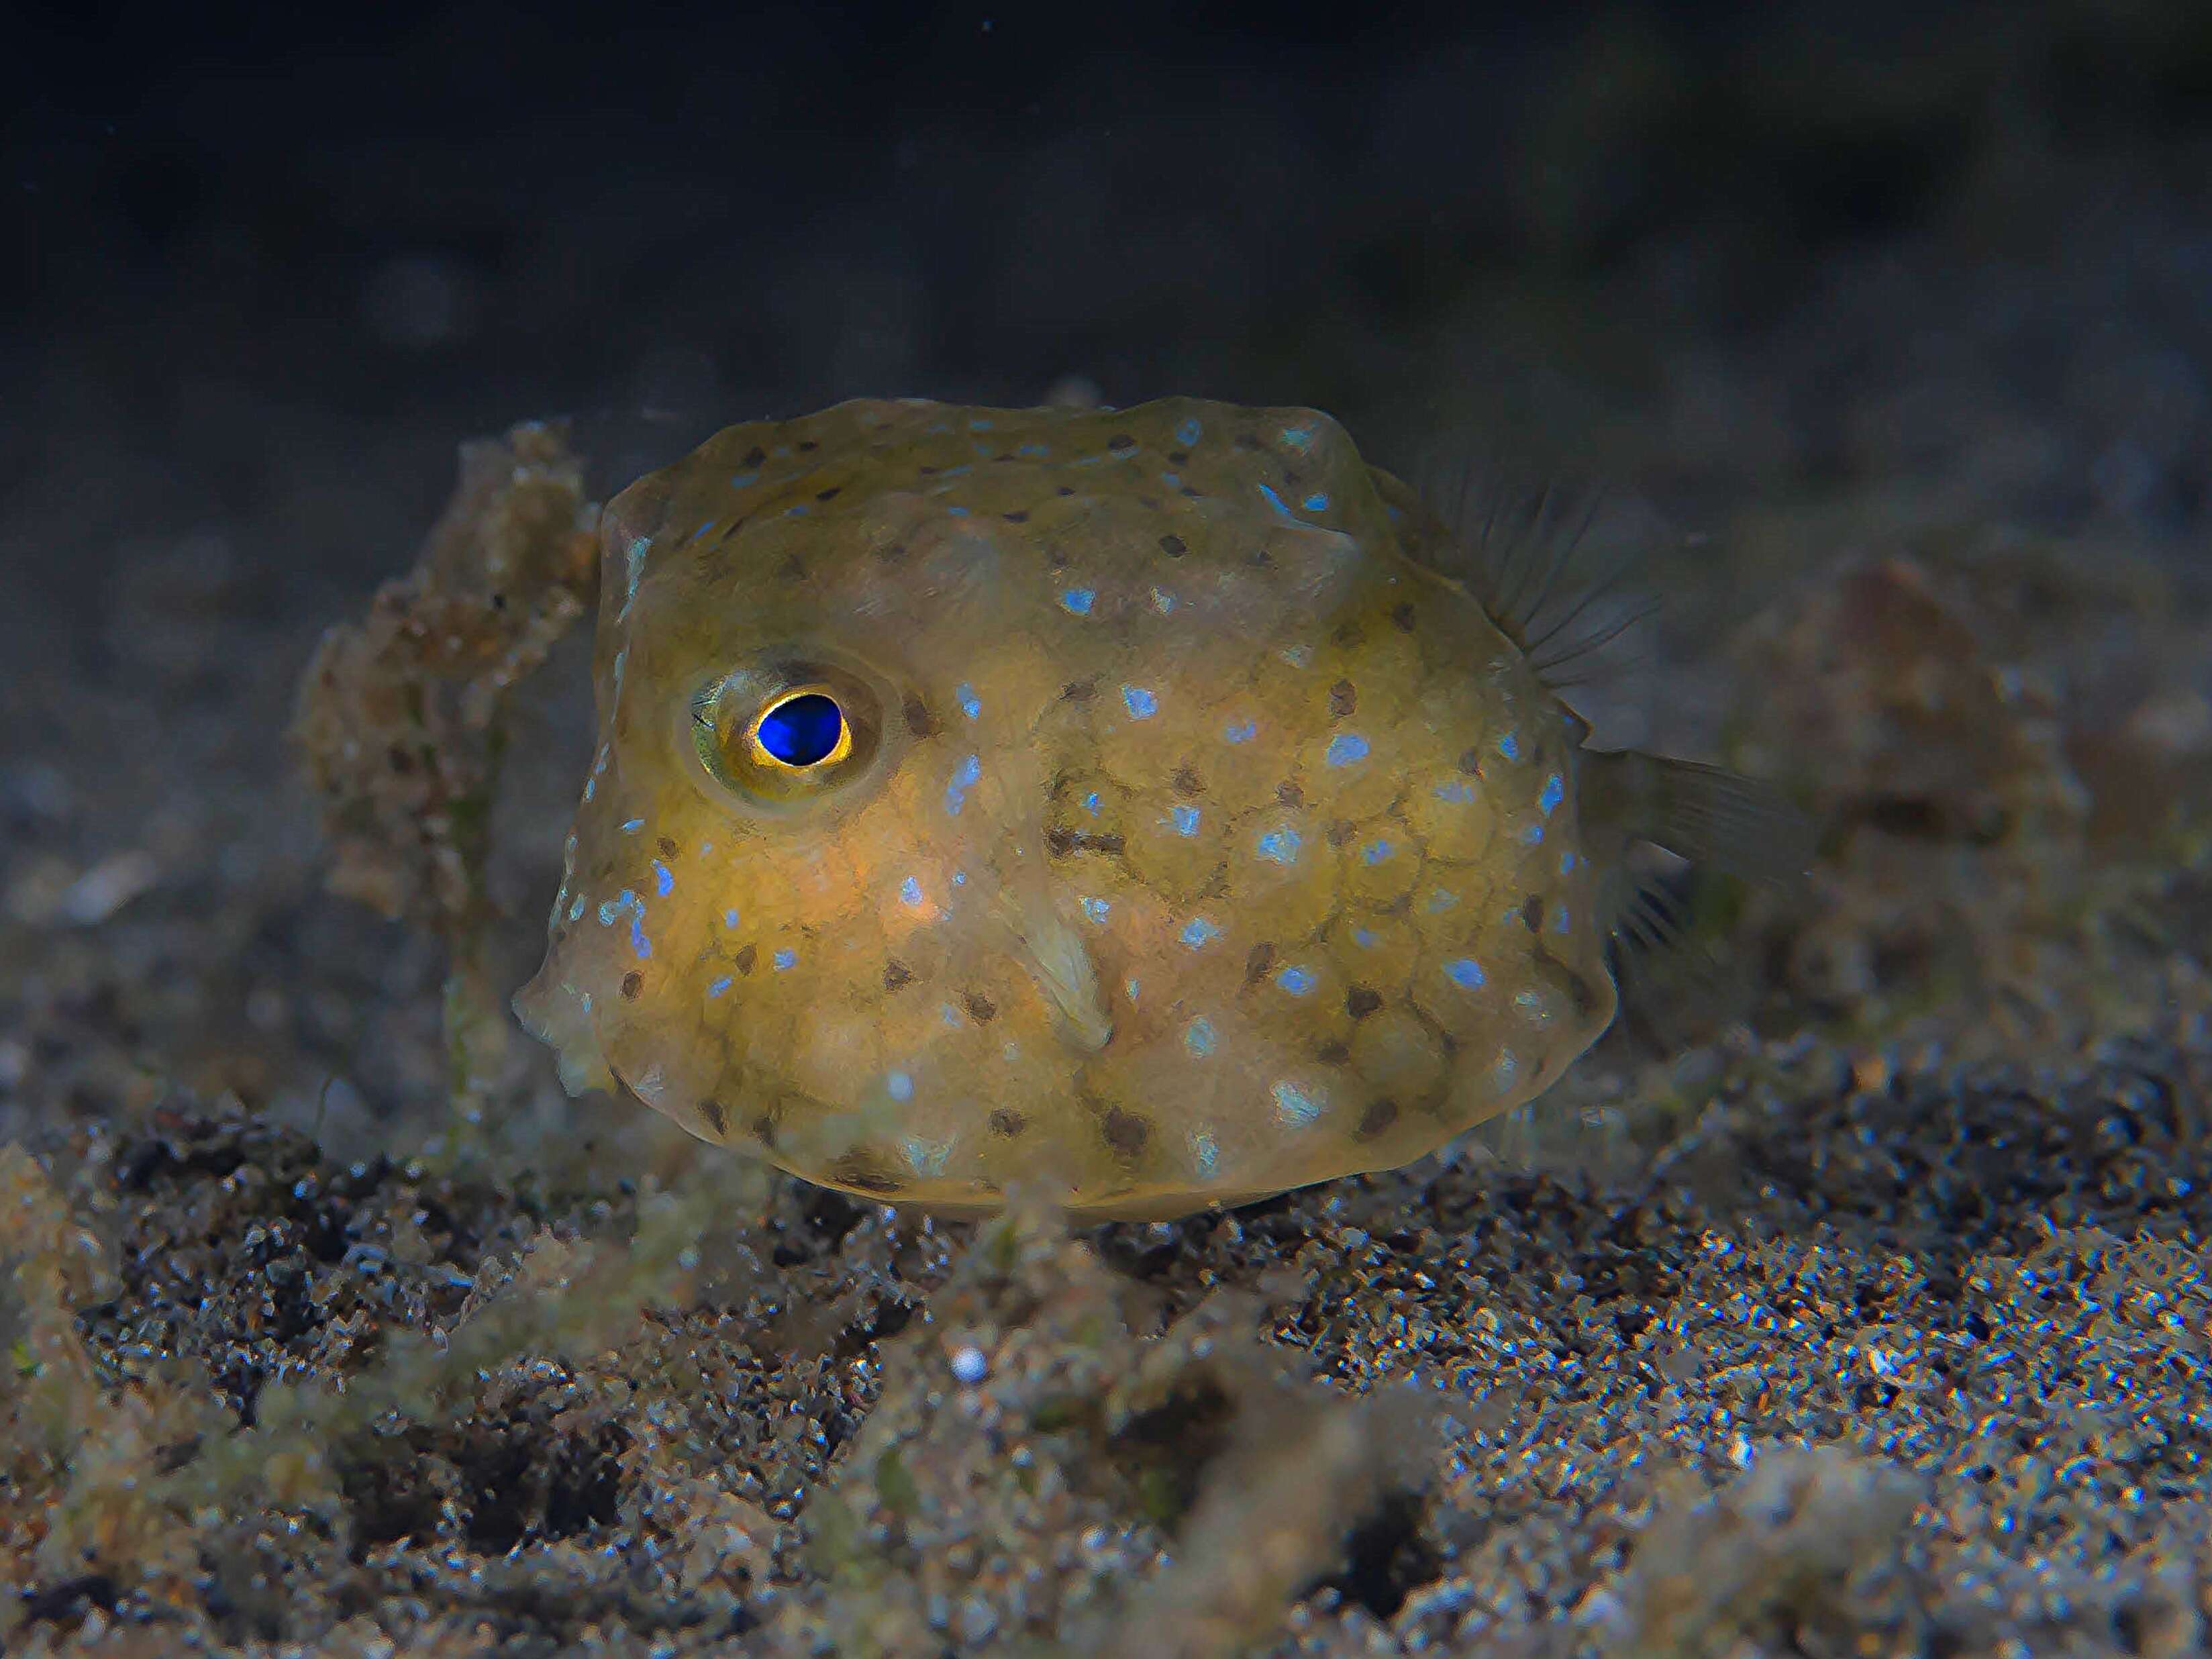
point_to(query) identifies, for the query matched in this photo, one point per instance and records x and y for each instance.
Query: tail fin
(1706, 814)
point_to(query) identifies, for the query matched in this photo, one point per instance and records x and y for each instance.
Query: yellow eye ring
(779, 734)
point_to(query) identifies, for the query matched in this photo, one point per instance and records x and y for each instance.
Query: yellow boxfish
(1129, 803)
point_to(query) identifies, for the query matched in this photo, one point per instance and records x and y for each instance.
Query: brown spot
(1332, 1053)
(918, 720)
(1178, 458)
(1532, 912)
(667, 845)
(862, 1170)
(1262, 958)
(1006, 1123)
(1016, 517)
(1470, 763)
(806, 444)
(401, 761)
(1064, 490)
(1120, 440)
(1246, 441)
(1056, 557)
(1173, 546)
(896, 974)
(1061, 841)
(1379, 1115)
(747, 955)
(1359, 1002)
(980, 1008)
(1343, 700)
(829, 494)
(927, 471)
(891, 552)
(1125, 1131)
(1585, 999)
(764, 1128)
(1149, 503)
(717, 1116)
(754, 457)
(1186, 782)
(1341, 831)
(1079, 690)
(1402, 616)
(793, 569)
(1262, 558)
(1290, 795)
(633, 983)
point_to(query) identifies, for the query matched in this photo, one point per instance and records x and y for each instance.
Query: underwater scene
(909, 832)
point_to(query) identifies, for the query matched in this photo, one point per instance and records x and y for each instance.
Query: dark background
(263, 269)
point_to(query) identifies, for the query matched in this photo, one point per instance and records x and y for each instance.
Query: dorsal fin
(1543, 557)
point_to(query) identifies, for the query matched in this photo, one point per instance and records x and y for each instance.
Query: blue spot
(1188, 433)
(1163, 602)
(784, 959)
(576, 910)
(631, 826)
(1198, 1036)
(910, 891)
(1560, 921)
(1567, 862)
(1172, 480)
(1554, 792)
(1205, 1155)
(1465, 972)
(743, 480)
(1457, 792)
(1365, 937)
(590, 786)
(1297, 981)
(1276, 501)
(1186, 820)
(1441, 900)
(956, 512)
(979, 426)
(1079, 599)
(1316, 503)
(729, 918)
(1240, 731)
(1533, 834)
(1096, 908)
(959, 877)
(798, 512)
(639, 547)
(1034, 451)
(1295, 1104)
(663, 882)
(899, 1085)
(970, 705)
(1131, 987)
(1346, 747)
(615, 906)
(1509, 746)
(719, 986)
(1279, 846)
(1141, 704)
(1201, 932)
(1090, 803)
(955, 472)
(963, 779)
(1376, 851)
(638, 941)
(1297, 436)
(951, 1014)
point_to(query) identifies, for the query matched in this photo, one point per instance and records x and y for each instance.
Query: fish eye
(783, 733)
(804, 729)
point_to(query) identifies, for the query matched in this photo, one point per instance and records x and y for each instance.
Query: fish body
(1113, 801)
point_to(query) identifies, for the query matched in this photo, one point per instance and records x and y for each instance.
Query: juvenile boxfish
(1122, 802)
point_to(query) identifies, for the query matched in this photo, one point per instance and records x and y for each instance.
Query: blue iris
(801, 730)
